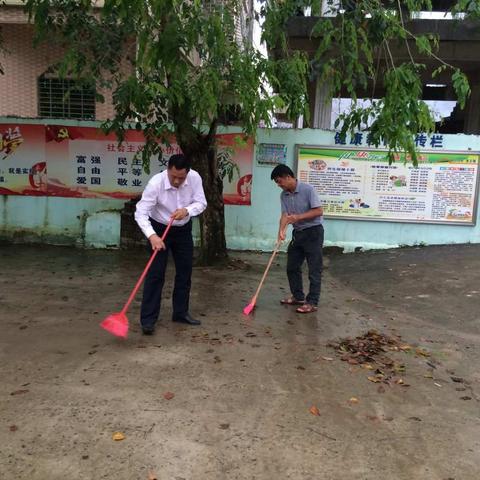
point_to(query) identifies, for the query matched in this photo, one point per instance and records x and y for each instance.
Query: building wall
(256, 227)
(12, 13)
(96, 223)
(23, 65)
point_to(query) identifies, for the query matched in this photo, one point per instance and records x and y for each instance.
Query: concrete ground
(243, 387)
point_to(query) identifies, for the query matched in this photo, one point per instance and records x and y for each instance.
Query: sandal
(306, 308)
(291, 301)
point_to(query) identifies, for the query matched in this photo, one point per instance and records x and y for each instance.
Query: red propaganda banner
(83, 162)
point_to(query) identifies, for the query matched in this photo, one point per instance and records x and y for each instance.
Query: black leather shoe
(148, 330)
(186, 319)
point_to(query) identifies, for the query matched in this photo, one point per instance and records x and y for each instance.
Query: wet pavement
(243, 388)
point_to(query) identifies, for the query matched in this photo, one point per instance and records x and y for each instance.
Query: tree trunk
(201, 150)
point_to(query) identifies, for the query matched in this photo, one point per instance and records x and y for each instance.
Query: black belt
(173, 227)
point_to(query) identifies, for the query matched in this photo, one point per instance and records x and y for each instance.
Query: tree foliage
(357, 50)
(175, 67)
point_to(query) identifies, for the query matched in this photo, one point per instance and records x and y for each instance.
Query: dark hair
(179, 161)
(281, 171)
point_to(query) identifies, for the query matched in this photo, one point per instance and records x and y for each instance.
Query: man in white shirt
(174, 193)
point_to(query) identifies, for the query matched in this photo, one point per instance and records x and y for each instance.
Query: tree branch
(212, 130)
(436, 57)
(403, 26)
(387, 49)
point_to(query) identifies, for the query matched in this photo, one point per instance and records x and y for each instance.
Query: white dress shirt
(160, 199)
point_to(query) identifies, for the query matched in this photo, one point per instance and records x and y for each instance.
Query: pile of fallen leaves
(369, 351)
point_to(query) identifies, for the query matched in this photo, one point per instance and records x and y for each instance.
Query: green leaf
(461, 87)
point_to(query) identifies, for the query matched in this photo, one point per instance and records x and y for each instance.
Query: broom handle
(144, 273)
(277, 246)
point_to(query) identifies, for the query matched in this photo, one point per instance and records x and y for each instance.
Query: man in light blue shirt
(302, 209)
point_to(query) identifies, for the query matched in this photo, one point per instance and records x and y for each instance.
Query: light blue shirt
(303, 199)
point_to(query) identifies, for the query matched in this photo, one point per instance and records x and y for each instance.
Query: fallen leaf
(437, 384)
(118, 436)
(457, 379)
(367, 366)
(428, 375)
(19, 392)
(422, 352)
(168, 395)
(374, 379)
(328, 359)
(314, 411)
(399, 381)
(353, 400)
(13, 428)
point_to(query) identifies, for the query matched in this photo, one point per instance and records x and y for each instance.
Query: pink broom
(117, 323)
(248, 309)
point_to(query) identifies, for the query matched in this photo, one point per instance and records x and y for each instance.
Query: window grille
(65, 98)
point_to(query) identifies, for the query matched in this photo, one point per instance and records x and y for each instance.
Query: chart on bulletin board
(361, 184)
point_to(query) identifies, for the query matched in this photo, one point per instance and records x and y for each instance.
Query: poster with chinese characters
(361, 184)
(86, 163)
(23, 168)
(83, 162)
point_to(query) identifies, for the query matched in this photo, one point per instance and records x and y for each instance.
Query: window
(65, 98)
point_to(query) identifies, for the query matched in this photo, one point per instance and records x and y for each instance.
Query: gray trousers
(306, 245)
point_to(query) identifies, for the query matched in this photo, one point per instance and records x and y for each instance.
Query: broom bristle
(248, 309)
(116, 324)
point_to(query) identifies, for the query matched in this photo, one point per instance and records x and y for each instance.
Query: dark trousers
(178, 241)
(306, 244)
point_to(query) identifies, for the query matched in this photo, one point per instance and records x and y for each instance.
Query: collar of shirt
(168, 186)
(295, 191)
